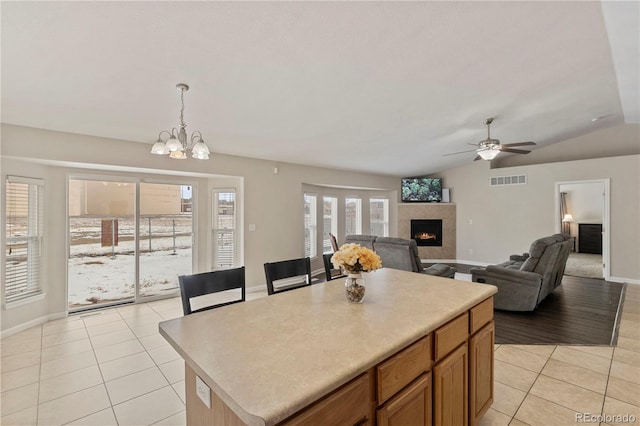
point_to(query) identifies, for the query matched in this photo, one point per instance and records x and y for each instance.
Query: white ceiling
(387, 87)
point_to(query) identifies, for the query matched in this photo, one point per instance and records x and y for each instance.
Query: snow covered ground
(99, 274)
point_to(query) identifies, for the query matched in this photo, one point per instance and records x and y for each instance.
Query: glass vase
(354, 288)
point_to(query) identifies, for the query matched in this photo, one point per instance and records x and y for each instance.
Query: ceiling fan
(489, 148)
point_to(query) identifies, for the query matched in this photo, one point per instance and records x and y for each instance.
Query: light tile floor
(113, 368)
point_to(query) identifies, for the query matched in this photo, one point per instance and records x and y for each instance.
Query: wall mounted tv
(421, 190)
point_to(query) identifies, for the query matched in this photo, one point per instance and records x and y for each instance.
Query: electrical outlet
(204, 392)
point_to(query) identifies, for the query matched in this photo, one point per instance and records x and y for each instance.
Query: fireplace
(427, 232)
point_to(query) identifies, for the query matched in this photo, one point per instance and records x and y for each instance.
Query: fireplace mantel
(444, 211)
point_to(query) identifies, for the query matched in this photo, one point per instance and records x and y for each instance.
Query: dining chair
(334, 242)
(275, 271)
(208, 283)
(330, 272)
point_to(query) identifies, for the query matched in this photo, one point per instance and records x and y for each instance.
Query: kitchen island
(302, 355)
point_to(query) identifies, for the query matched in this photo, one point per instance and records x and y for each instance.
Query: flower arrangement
(353, 258)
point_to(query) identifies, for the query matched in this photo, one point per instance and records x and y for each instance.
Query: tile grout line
(104, 383)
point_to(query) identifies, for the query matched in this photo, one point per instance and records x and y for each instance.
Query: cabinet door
(450, 383)
(410, 407)
(481, 372)
(350, 405)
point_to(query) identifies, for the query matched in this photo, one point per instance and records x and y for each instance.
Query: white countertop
(270, 357)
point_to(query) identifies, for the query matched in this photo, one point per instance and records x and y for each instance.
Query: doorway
(128, 241)
(583, 208)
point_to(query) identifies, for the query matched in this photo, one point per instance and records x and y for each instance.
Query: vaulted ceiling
(386, 87)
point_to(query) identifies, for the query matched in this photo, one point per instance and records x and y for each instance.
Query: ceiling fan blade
(461, 152)
(515, 151)
(477, 158)
(473, 144)
(518, 144)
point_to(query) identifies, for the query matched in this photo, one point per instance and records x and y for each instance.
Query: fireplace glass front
(427, 232)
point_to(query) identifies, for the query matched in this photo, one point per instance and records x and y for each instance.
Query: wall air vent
(508, 180)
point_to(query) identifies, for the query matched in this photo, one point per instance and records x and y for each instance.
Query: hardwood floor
(581, 311)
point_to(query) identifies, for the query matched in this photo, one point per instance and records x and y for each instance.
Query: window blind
(379, 216)
(224, 229)
(310, 225)
(24, 209)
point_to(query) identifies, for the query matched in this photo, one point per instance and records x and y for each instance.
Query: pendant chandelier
(177, 144)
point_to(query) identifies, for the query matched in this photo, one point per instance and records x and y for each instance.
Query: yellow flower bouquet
(353, 258)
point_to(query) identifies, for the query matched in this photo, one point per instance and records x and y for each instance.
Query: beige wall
(104, 198)
(494, 222)
(272, 202)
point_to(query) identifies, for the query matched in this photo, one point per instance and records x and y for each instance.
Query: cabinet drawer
(481, 314)
(403, 368)
(349, 405)
(451, 335)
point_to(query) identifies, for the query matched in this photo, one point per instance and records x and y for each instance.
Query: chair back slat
(274, 271)
(196, 285)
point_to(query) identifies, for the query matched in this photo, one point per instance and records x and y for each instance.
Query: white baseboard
(27, 325)
(256, 288)
(623, 280)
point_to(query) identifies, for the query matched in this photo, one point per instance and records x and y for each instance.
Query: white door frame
(606, 261)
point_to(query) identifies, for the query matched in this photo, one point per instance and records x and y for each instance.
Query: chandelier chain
(182, 123)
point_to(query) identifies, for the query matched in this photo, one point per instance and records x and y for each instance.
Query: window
(329, 222)
(310, 226)
(224, 229)
(379, 216)
(353, 216)
(24, 225)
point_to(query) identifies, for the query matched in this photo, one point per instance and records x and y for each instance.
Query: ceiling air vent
(508, 180)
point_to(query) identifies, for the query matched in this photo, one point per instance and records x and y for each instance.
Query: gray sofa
(400, 253)
(525, 280)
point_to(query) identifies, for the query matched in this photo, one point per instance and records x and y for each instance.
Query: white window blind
(310, 226)
(353, 216)
(330, 222)
(379, 216)
(23, 230)
(225, 252)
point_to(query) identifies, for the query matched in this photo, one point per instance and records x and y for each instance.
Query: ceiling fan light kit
(177, 144)
(489, 148)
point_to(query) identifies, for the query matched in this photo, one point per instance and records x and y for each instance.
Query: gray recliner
(525, 280)
(363, 240)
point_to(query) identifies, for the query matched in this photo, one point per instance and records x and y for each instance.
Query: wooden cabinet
(451, 335)
(402, 368)
(590, 238)
(349, 405)
(481, 372)
(450, 387)
(411, 407)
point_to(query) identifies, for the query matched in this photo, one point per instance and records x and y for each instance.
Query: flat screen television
(421, 190)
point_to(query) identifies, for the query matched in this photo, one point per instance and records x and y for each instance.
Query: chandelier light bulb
(178, 155)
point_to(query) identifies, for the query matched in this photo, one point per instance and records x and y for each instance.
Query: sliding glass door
(165, 237)
(102, 246)
(127, 241)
